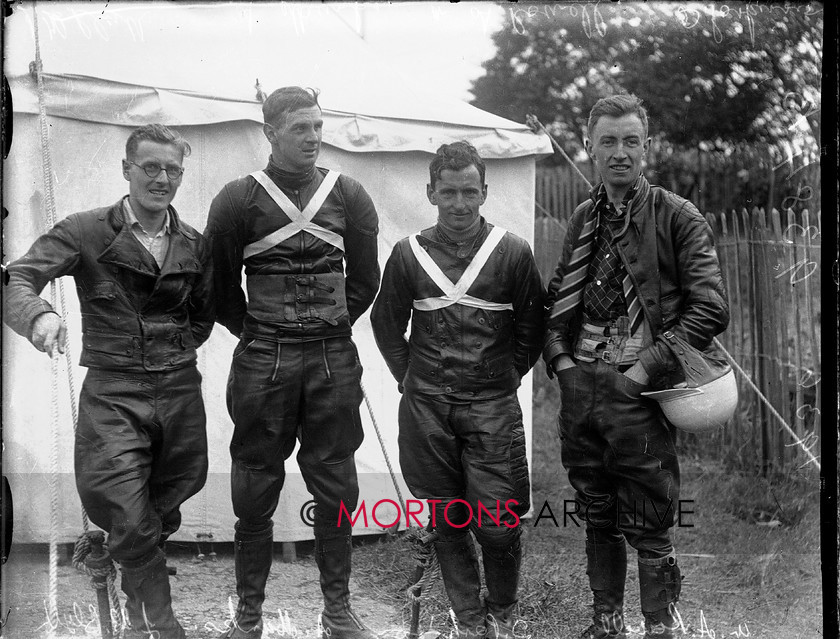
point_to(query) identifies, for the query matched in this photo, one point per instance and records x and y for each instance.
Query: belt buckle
(606, 355)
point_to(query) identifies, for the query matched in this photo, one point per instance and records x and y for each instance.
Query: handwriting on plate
(740, 19)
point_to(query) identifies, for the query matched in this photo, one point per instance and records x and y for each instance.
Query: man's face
(617, 147)
(151, 196)
(296, 140)
(458, 196)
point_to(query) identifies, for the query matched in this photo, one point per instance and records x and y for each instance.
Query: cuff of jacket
(555, 348)
(658, 362)
(22, 321)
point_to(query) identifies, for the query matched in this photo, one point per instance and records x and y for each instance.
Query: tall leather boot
(501, 572)
(145, 582)
(252, 563)
(459, 570)
(606, 566)
(338, 621)
(659, 586)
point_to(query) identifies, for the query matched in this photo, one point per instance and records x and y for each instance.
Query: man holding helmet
(638, 268)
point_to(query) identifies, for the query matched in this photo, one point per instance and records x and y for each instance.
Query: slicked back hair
(285, 100)
(155, 133)
(455, 157)
(616, 106)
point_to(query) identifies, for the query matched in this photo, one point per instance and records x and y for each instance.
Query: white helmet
(709, 396)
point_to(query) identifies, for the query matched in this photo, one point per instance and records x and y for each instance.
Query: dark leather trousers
(279, 393)
(140, 452)
(620, 455)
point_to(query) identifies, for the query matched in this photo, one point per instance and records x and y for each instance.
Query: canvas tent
(108, 71)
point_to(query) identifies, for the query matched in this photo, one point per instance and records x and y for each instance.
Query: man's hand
(638, 374)
(49, 333)
(562, 362)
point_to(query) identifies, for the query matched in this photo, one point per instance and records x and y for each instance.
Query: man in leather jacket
(144, 282)
(474, 297)
(307, 238)
(637, 260)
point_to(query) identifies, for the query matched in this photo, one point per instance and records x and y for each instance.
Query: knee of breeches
(329, 524)
(651, 544)
(148, 562)
(497, 539)
(253, 529)
(134, 541)
(452, 518)
(608, 535)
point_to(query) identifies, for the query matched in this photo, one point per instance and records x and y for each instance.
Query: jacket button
(481, 320)
(448, 389)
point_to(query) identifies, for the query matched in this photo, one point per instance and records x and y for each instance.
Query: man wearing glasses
(306, 237)
(144, 282)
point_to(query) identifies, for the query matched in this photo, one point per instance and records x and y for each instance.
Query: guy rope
(97, 564)
(537, 127)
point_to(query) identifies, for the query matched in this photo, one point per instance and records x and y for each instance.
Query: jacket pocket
(103, 290)
(498, 366)
(111, 344)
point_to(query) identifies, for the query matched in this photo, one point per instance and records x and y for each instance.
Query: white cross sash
(300, 220)
(457, 293)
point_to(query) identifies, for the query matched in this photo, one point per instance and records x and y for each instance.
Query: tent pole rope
(59, 303)
(535, 125)
(52, 606)
(382, 444)
(773, 411)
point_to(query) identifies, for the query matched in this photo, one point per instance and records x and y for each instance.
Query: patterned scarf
(570, 293)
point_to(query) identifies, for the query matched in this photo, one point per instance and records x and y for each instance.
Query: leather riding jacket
(668, 251)
(300, 287)
(136, 316)
(462, 351)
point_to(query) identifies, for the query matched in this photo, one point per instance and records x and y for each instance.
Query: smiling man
(306, 237)
(637, 261)
(473, 296)
(144, 283)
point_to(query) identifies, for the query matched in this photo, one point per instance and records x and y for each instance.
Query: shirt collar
(602, 201)
(131, 218)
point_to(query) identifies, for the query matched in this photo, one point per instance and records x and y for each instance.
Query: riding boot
(606, 566)
(459, 569)
(338, 621)
(660, 583)
(145, 582)
(501, 573)
(252, 555)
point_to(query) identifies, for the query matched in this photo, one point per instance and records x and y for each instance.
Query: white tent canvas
(105, 76)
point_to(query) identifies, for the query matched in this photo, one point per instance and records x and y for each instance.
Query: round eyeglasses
(153, 169)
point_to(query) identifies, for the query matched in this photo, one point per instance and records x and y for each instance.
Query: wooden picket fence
(771, 265)
(771, 268)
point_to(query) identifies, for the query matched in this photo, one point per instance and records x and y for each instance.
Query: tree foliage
(715, 76)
